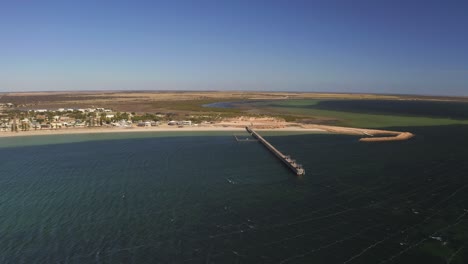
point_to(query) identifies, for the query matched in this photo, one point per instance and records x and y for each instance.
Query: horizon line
(239, 90)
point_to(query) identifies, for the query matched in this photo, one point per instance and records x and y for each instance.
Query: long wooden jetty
(295, 167)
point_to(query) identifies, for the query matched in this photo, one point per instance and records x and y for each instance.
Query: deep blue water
(209, 199)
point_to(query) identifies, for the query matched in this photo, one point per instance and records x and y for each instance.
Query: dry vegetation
(152, 101)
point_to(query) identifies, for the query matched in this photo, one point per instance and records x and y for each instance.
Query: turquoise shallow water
(74, 138)
(208, 199)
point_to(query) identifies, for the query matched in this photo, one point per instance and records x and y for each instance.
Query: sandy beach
(96, 130)
(370, 135)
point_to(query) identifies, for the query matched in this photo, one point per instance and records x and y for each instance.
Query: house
(122, 123)
(35, 125)
(56, 125)
(41, 110)
(5, 127)
(172, 123)
(41, 117)
(186, 123)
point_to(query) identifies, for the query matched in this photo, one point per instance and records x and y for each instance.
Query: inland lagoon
(206, 198)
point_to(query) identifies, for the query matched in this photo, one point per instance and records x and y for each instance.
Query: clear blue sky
(418, 47)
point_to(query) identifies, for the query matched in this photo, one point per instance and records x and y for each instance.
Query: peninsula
(44, 113)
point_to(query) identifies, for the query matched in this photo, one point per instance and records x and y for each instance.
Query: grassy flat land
(146, 99)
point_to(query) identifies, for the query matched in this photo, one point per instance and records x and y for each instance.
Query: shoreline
(100, 130)
(367, 135)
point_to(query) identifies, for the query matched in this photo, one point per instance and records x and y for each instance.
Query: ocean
(206, 198)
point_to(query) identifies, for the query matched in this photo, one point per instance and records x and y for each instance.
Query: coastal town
(13, 119)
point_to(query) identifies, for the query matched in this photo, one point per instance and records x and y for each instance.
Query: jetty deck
(290, 163)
